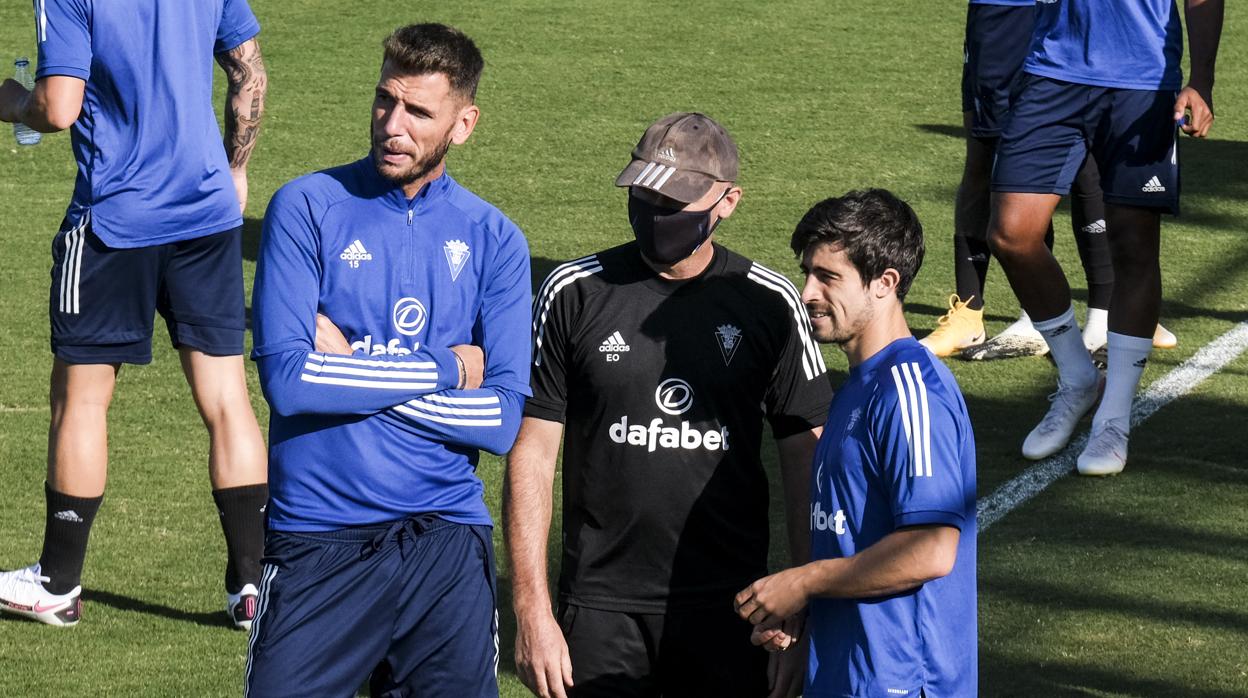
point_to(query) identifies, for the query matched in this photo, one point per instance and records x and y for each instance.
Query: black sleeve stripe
(812, 358)
(563, 275)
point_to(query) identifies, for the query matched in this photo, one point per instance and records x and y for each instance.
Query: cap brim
(681, 185)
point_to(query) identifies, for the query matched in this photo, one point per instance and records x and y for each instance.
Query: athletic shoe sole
(62, 615)
(1006, 347)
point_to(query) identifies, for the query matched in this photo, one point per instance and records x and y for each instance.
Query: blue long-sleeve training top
(382, 433)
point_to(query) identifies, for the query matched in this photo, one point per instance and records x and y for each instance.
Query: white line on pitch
(1175, 384)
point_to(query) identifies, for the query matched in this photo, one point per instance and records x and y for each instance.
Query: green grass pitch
(1132, 586)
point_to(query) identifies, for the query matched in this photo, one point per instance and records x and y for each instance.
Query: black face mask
(668, 235)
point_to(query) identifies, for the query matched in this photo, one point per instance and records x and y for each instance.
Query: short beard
(418, 169)
(854, 327)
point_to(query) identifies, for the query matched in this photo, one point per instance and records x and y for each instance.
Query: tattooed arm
(244, 103)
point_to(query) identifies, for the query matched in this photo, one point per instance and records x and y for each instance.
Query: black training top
(663, 387)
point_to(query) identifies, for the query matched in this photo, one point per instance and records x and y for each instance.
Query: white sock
(1095, 328)
(1074, 367)
(1127, 357)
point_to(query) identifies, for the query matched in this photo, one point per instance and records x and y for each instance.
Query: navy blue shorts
(104, 300)
(411, 603)
(1054, 125)
(997, 41)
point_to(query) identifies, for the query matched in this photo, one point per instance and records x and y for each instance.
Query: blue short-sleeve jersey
(151, 165)
(897, 451)
(1135, 45)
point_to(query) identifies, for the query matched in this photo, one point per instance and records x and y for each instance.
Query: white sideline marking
(1175, 384)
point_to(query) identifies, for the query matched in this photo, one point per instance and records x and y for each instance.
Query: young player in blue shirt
(1083, 93)
(154, 225)
(392, 335)
(889, 597)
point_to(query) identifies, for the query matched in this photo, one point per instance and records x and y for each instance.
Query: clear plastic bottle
(25, 135)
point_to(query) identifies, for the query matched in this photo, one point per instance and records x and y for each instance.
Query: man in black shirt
(662, 357)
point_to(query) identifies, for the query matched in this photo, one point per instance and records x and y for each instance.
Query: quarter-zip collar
(392, 195)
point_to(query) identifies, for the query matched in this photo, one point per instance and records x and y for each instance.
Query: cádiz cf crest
(729, 339)
(457, 253)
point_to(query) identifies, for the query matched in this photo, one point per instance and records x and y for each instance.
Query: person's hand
(542, 659)
(472, 360)
(786, 669)
(239, 175)
(329, 338)
(770, 600)
(12, 100)
(1199, 101)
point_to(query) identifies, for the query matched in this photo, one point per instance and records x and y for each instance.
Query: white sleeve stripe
(916, 446)
(539, 319)
(557, 280)
(809, 363)
(493, 400)
(463, 411)
(359, 383)
(380, 363)
(927, 419)
(918, 418)
(791, 291)
(351, 371)
(404, 409)
(561, 269)
(904, 408)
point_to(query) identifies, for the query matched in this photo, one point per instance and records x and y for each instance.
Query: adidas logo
(1153, 185)
(355, 252)
(1097, 227)
(667, 154)
(68, 515)
(1141, 363)
(614, 344)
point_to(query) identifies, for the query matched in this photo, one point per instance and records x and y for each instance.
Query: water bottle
(25, 135)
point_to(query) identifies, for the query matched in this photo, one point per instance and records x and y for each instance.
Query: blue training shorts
(997, 41)
(1054, 124)
(104, 300)
(410, 603)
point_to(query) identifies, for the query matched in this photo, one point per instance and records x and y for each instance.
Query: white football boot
(1053, 432)
(241, 607)
(22, 593)
(1106, 452)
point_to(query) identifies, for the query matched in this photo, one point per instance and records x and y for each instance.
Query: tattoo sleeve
(244, 99)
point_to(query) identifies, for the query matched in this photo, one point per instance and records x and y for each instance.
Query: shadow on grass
(1006, 676)
(215, 619)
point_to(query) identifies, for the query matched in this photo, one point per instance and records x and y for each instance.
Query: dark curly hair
(877, 230)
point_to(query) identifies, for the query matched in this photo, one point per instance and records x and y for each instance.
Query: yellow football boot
(957, 329)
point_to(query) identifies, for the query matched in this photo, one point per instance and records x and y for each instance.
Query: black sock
(242, 511)
(65, 533)
(1087, 215)
(971, 257)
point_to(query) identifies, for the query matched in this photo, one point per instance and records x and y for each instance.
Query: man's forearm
(54, 104)
(244, 100)
(1204, 33)
(900, 561)
(527, 508)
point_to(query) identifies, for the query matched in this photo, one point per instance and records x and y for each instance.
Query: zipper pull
(409, 216)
